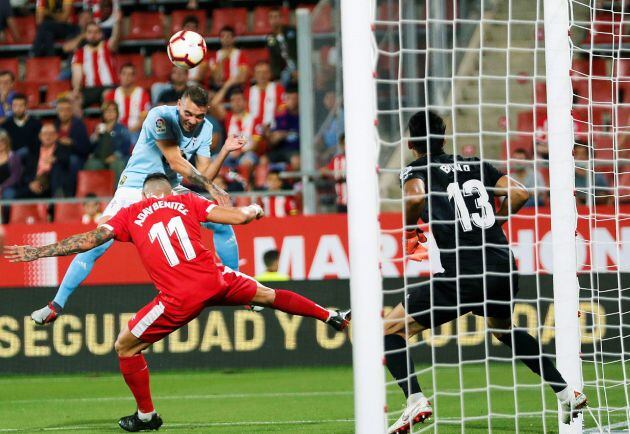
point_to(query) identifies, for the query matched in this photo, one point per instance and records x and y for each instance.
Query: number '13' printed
(483, 219)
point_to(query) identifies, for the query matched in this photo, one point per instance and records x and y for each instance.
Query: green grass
(317, 400)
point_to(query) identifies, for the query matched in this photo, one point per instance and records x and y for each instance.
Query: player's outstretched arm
(210, 167)
(515, 193)
(69, 246)
(235, 216)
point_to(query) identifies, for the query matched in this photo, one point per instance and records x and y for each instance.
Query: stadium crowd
(253, 93)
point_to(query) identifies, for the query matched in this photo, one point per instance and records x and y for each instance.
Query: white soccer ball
(186, 49)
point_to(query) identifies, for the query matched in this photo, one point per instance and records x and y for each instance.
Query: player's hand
(260, 212)
(234, 143)
(21, 253)
(221, 196)
(413, 247)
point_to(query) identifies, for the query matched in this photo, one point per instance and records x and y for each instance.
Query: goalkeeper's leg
(224, 243)
(77, 272)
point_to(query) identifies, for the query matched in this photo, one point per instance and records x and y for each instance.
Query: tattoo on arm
(75, 244)
(198, 179)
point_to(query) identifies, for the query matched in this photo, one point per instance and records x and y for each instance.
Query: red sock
(293, 303)
(136, 374)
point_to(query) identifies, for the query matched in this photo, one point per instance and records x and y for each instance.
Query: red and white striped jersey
(264, 103)
(230, 62)
(338, 166)
(97, 65)
(279, 206)
(131, 106)
(244, 124)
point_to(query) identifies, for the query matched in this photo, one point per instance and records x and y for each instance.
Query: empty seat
(31, 91)
(42, 69)
(178, 17)
(28, 29)
(91, 123)
(233, 17)
(56, 90)
(98, 182)
(161, 66)
(68, 212)
(10, 64)
(255, 55)
(145, 25)
(29, 214)
(261, 19)
(135, 59)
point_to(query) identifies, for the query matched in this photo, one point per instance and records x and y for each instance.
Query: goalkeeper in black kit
(454, 195)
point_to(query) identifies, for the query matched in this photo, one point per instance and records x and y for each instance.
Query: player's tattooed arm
(217, 193)
(75, 244)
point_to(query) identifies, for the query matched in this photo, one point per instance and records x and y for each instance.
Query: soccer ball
(186, 49)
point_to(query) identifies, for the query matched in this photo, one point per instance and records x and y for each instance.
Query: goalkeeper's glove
(46, 314)
(414, 250)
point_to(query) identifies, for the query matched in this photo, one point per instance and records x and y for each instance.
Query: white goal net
(480, 64)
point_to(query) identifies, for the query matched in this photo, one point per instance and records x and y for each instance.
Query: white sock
(145, 417)
(331, 313)
(564, 394)
(415, 397)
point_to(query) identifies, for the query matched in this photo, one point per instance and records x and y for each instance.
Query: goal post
(562, 199)
(363, 210)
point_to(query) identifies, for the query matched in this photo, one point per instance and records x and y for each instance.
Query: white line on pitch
(189, 425)
(186, 397)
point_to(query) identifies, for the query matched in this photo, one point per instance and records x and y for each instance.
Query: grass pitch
(314, 400)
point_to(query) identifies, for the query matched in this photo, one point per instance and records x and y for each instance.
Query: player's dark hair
(270, 257)
(197, 95)
(227, 29)
(426, 124)
(157, 176)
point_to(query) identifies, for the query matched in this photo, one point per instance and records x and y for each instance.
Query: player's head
(271, 258)
(426, 125)
(93, 34)
(156, 185)
(192, 107)
(226, 36)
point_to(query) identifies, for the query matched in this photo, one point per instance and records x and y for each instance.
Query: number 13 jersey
(167, 235)
(460, 210)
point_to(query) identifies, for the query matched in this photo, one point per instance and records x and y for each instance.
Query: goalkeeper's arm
(415, 201)
(515, 196)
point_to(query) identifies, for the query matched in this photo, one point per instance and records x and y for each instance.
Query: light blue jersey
(162, 123)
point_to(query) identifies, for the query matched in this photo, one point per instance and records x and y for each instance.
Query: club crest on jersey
(456, 167)
(160, 125)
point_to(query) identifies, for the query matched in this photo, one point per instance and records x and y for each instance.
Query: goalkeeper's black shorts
(483, 290)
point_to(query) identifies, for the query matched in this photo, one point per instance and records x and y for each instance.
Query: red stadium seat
(42, 69)
(178, 17)
(10, 64)
(624, 185)
(68, 212)
(145, 25)
(146, 83)
(261, 19)
(99, 182)
(322, 19)
(233, 17)
(161, 66)
(28, 29)
(56, 90)
(29, 214)
(255, 55)
(135, 59)
(91, 123)
(608, 28)
(31, 91)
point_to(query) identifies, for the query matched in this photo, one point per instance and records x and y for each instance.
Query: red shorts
(159, 317)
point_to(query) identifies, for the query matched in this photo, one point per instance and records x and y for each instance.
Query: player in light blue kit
(170, 136)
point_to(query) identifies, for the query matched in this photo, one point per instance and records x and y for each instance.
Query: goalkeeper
(455, 195)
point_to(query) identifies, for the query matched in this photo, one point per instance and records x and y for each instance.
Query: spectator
(282, 47)
(111, 141)
(333, 126)
(284, 139)
(521, 169)
(238, 121)
(7, 93)
(133, 101)
(92, 64)
(271, 258)
(278, 205)
(23, 129)
(588, 183)
(54, 22)
(229, 63)
(265, 96)
(103, 13)
(336, 168)
(91, 210)
(72, 131)
(179, 80)
(10, 168)
(7, 21)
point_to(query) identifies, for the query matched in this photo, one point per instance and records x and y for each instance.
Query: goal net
(481, 65)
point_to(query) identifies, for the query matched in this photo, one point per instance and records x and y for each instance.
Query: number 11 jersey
(167, 235)
(460, 210)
